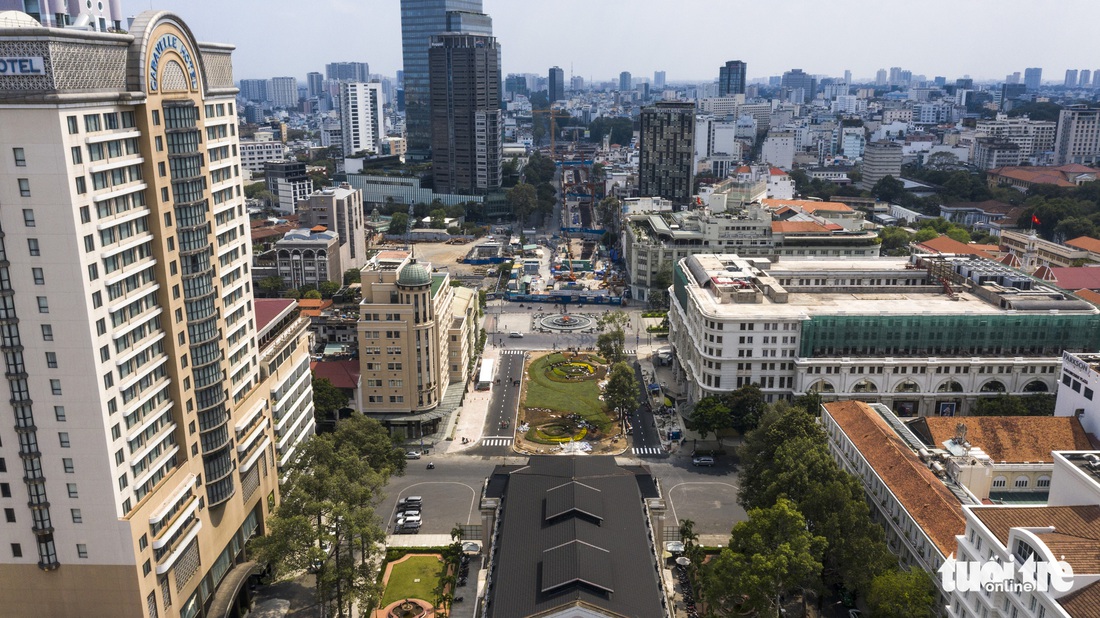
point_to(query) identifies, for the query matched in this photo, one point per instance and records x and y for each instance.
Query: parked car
(703, 460)
(412, 455)
(409, 502)
(516, 335)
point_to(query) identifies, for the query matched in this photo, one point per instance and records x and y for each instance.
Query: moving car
(516, 335)
(704, 460)
(412, 455)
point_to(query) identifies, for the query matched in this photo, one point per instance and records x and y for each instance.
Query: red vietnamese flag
(1035, 220)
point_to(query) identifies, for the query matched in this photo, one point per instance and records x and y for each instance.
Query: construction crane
(552, 113)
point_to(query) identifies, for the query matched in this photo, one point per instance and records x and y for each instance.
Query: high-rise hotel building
(137, 448)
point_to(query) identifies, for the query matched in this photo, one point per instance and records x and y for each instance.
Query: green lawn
(402, 586)
(564, 397)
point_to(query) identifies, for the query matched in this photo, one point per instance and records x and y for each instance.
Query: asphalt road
(451, 491)
(503, 406)
(646, 441)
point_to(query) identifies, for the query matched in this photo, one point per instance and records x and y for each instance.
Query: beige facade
(126, 301)
(416, 336)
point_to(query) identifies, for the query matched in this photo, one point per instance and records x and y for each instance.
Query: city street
(500, 418)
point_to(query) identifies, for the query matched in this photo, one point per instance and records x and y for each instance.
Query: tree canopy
(611, 343)
(621, 392)
(899, 593)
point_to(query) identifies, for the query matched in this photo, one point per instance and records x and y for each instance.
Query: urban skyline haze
(598, 40)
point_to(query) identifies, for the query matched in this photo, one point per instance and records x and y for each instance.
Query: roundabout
(565, 322)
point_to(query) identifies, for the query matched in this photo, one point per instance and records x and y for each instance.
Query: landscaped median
(566, 386)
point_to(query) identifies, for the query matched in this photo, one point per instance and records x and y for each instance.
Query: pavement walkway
(470, 417)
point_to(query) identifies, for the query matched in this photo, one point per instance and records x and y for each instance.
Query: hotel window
(20, 157)
(28, 217)
(73, 127)
(67, 464)
(16, 550)
(47, 332)
(78, 518)
(91, 122)
(81, 550)
(9, 516)
(39, 277)
(59, 413)
(63, 438)
(51, 360)
(71, 487)
(43, 305)
(32, 247)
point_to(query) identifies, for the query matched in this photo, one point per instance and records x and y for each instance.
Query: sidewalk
(470, 420)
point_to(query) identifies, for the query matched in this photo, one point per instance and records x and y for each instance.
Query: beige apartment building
(139, 449)
(417, 334)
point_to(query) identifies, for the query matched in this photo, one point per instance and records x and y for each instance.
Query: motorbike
(431, 465)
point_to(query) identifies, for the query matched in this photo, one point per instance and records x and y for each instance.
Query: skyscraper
(625, 81)
(360, 117)
(658, 80)
(556, 84)
(1084, 79)
(420, 21)
(1033, 76)
(731, 78)
(1071, 78)
(254, 89)
(466, 125)
(880, 159)
(797, 80)
(666, 166)
(315, 84)
(348, 71)
(1078, 138)
(283, 92)
(143, 421)
(880, 77)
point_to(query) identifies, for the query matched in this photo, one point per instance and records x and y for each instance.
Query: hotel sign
(171, 42)
(22, 65)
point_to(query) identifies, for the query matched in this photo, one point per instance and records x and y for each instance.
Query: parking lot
(450, 493)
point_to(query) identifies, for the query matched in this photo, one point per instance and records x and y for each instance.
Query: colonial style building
(927, 336)
(417, 334)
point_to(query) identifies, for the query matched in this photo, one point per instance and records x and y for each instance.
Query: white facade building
(1078, 389)
(779, 149)
(361, 117)
(255, 154)
(283, 92)
(872, 329)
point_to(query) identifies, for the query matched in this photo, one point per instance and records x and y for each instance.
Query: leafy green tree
(611, 343)
(312, 294)
(621, 392)
(888, 189)
(1073, 227)
(351, 275)
(959, 234)
(746, 406)
(903, 594)
(251, 190)
(778, 425)
(925, 233)
(270, 286)
(769, 555)
(327, 400)
(894, 240)
(327, 519)
(658, 292)
(1015, 405)
(523, 200)
(399, 223)
(328, 288)
(438, 218)
(710, 415)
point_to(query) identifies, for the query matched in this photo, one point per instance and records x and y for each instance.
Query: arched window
(864, 386)
(993, 386)
(1043, 481)
(950, 386)
(1021, 482)
(908, 386)
(1036, 386)
(821, 386)
(1000, 481)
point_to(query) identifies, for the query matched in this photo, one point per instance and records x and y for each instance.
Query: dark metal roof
(573, 533)
(574, 497)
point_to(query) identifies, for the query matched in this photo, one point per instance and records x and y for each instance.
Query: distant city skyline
(687, 40)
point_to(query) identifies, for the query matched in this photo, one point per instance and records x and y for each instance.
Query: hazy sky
(689, 39)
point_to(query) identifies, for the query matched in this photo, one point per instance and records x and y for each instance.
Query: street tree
(611, 343)
(621, 392)
(328, 288)
(658, 292)
(769, 555)
(747, 406)
(903, 594)
(779, 424)
(438, 218)
(327, 400)
(888, 189)
(326, 520)
(399, 223)
(523, 200)
(710, 415)
(270, 286)
(609, 209)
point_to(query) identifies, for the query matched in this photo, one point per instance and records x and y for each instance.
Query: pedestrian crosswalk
(517, 352)
(496, 441)
(647, 450)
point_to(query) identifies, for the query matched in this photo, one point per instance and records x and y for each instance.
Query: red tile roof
(1077, 277)
(1060, 176)
(1085, 242)
(342, 373)
(267, 309)
(1076, 535)
(1089, 295)
(946, 244)
(934, 508)
(1083, 603)
(312, 307)
(1014, 439)
(804, 227)
(809, 206)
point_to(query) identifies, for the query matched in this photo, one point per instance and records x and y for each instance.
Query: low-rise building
(340, 210)
(1023, 178)
(994, 152)
(927, 335)
(288, 182)
(254, 154)
(308, 257)
(1034, 252)
(650, 240)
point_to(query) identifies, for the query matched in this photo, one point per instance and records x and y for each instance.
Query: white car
(412, 455)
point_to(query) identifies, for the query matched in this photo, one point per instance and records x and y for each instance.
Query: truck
(485, 378)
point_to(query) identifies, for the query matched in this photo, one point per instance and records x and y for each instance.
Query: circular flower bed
(557, 433)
